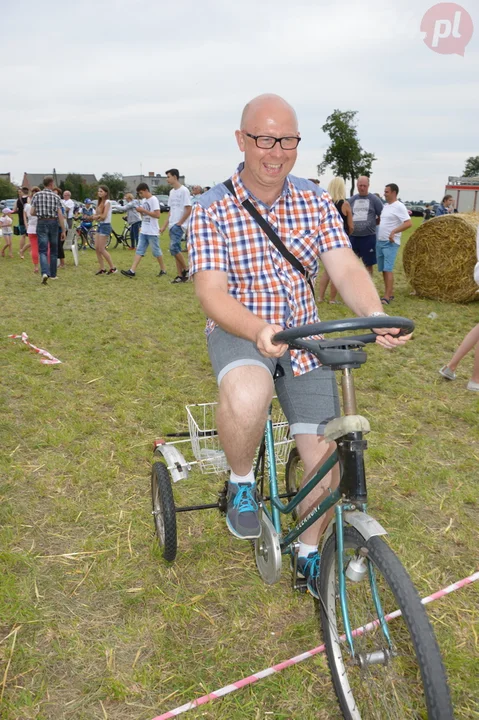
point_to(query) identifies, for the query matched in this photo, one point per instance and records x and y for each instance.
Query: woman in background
(30, 222)
(337, 190)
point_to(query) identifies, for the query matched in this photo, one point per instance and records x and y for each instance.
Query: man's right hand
(264, 341)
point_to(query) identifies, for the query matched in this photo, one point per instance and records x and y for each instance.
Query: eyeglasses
(265, 142)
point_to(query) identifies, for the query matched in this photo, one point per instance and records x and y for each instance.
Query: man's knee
(246, 392)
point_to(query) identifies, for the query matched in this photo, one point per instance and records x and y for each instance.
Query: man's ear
(240, 140)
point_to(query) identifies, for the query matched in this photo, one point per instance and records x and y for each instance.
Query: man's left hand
(391, 237)
(388, 337)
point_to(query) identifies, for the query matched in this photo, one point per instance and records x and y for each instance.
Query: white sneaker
(447, 373)
(471, 385)
(44, 279)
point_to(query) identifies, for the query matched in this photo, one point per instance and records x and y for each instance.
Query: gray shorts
(309, 401)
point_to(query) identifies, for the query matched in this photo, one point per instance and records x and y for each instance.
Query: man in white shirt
(180, 210)
(69, 206)
(394, 219)
(149, 209)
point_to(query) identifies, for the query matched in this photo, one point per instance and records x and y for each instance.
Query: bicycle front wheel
(402, 678)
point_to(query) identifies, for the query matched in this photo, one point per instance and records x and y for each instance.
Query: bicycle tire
(293, 475)
(90, 238)
(164, 511)
(127, 238)
(413, 683)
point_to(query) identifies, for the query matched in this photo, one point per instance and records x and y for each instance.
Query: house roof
(37, 178)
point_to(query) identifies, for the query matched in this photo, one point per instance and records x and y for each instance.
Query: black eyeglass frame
(276, 140)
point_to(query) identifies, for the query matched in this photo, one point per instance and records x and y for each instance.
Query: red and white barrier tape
(47, 359)
(304, 656)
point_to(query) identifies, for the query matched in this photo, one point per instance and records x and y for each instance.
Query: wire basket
(205, 442)
(282, 440)
(204, 438)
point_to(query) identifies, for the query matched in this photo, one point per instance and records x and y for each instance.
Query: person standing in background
(6, 224)
(22, 231)
(367, 209)
(394, 219)
(69, 206)
(445, 208)
(180, 211)
(337, 191)
(133, 218)
(31, 226)
(61, 238)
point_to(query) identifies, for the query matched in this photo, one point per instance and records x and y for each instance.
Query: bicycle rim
(408, 680)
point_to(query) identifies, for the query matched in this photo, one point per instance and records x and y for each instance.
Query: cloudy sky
(115, 86)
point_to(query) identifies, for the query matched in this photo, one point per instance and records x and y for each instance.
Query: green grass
(93, 624)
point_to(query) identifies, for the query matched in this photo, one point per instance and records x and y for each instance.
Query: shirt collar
(243, 193)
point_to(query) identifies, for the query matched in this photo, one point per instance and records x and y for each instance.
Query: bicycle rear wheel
(164, 511)
(406, 680)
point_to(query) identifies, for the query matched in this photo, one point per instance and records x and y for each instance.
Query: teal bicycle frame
(355, 482)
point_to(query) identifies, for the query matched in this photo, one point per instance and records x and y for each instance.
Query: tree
(162, 190)
(79, 189)
(472, 167)
(115, 184)
(345, 155)
(7, 190)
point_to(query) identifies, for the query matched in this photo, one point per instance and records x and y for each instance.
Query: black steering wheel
(342, 351)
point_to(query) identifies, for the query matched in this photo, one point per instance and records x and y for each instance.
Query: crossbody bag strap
(273, 236)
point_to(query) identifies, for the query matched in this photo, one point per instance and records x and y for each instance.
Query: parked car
(10, 203)
(416, 210)
(163, 200)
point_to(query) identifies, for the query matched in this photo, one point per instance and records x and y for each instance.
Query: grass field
(93, 623)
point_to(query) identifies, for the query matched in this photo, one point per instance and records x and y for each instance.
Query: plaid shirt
(223, 236)
(46, 204)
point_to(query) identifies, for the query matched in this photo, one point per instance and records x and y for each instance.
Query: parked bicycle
(379, 668)
(124, 237)
(85, 235)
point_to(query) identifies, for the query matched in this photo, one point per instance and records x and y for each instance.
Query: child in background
(6, 226)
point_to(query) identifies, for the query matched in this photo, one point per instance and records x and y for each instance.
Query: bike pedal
(300, 585)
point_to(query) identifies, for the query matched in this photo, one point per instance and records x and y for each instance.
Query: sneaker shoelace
(244, 500)
(311, 566)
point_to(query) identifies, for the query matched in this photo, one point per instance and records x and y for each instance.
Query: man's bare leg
(314, 451)
(245, 396)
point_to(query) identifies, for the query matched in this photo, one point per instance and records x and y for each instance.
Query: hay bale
(440, 256)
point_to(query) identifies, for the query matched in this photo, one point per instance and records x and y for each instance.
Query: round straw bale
(439, 258)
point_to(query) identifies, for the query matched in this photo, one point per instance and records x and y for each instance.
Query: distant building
(152, 180)
(465, 191)
(32, 179)
(6, 176)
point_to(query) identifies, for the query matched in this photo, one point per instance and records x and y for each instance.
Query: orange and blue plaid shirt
(223, 236)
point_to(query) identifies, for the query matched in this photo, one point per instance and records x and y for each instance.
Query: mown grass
(93, 624)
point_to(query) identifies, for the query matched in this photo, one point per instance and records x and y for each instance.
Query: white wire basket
(205, 442)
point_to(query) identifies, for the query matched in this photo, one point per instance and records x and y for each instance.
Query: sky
(130, 87)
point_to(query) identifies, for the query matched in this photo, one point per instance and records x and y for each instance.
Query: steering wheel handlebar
(405, 326)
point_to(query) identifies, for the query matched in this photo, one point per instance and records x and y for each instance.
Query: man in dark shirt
(48, 207)
(367, 209)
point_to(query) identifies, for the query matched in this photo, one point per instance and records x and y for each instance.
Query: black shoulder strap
(266, 227)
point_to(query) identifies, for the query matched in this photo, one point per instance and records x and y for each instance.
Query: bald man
(250, 291)
(367, 209)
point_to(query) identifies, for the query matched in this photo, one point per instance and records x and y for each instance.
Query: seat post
(348, 391)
